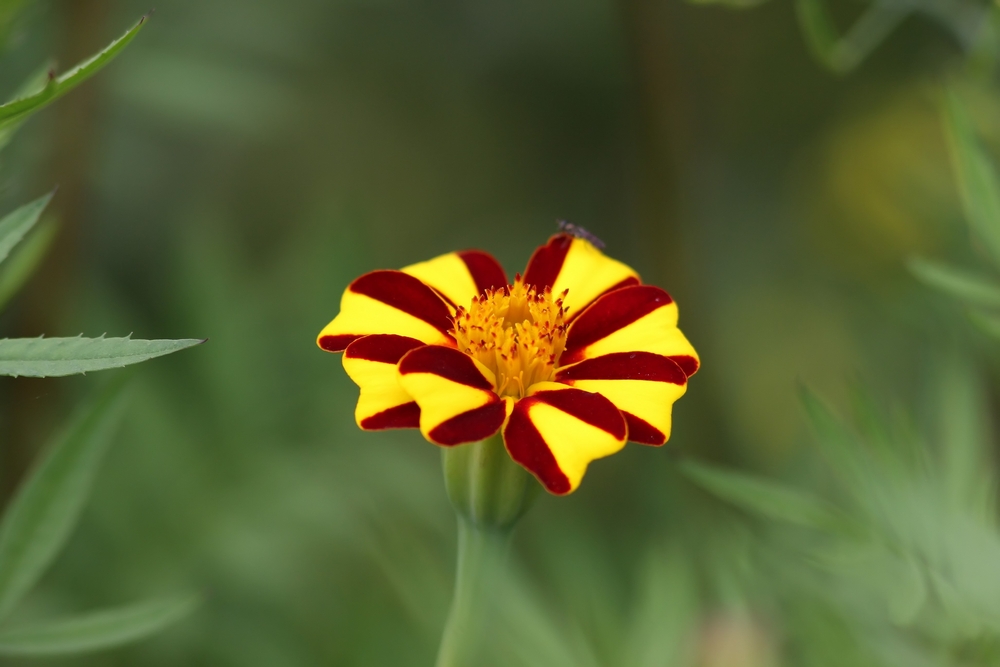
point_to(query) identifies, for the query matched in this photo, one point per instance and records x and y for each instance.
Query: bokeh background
(241, 162)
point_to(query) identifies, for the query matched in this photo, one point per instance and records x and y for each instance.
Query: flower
(567, 362)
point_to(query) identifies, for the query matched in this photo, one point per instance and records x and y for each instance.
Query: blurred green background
(242, 162)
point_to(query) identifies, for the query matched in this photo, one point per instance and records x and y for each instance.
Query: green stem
(489, 492)
(481, 555)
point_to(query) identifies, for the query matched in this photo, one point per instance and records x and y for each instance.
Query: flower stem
(489, 492)
(481, 554)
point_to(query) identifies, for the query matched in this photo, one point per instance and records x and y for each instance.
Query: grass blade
(58, 86)
(97, 630)
(976, 176)
(843, 54)
(15, 225)
(46, 507)
(967, 287)
(55, 357)
(762, 497)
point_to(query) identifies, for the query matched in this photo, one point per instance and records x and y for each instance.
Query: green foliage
(26, 258)
(48, 504)
(42, 515)
(925, 529)
(976, 177)
(14, 226)
(763, 498)
(842, 54)
(971, 289)
(96, 630)
(19, 109)
(54, 357)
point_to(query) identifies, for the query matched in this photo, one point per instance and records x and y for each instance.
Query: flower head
(568, 361)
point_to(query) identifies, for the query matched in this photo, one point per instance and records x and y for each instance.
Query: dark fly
(580, 233)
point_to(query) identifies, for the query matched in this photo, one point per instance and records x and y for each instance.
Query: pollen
(518, 332)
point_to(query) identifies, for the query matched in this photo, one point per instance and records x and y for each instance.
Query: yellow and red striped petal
(455, 393)
(460, 276)
(388, 302)
(557, 431)
(642, 385)
(371, 362)
(570, 263)
(640, 318)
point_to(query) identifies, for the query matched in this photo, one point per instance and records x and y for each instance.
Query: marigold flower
(568, 361)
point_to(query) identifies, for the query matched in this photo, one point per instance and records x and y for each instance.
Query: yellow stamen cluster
(517, 332)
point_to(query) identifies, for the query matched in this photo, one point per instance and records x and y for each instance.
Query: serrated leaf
(976, 177)
(968, 287)
(765, 498)
(46, 507)
(15, 225)
(26, 258)
(56, 87)
(55, 357)
(97, 630)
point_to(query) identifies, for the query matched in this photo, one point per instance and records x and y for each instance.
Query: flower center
(517, 332)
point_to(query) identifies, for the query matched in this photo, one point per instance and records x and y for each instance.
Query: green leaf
(47, 505)
(968, 287)
(976, 176)
(34, 84)
(97, 630)
(26, 258)
(15, 225)
(55, 357)
(843, 54)
(763, 497)
(838, 444)
(58, 86)
(985, 322)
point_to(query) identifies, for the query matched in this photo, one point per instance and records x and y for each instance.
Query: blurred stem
(481, 554)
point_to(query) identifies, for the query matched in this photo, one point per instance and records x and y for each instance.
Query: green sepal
(485, 485)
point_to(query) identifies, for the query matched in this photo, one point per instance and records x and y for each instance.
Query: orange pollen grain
(518, 332)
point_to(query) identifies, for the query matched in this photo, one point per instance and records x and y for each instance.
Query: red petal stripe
(337, 343)
(625, 366)
(525, 445)
(687, 363)
(446, 362)
(485, 270)
(590, 408)
(406, 415)
(406, 293)
(385, 348)
(547, 261)
(609, 313)
(642, 432)
(470, 426)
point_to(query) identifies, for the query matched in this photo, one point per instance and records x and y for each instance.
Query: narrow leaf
(46, 507)
(33, 85)
(843, 54)
(15, 225)
(53, 357)
(976, 176)
(838, 444)
(968, 287)
(26, 258)
(762, 497)
(97, 630)
(59, 86)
